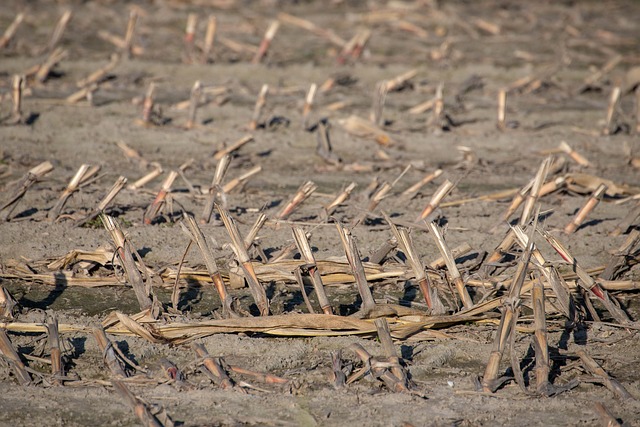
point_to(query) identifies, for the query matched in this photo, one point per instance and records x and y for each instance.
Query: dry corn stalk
(454, 273)
(502, 104)
(532, 197)
(144, 180)
(355, 262)
(457, 252)
(379, 98)
(57, 55)
(266, 41)
(438, 117)
(214, 367)
(196, 94)
(559, 286)
(237, 244)
(507, 326)
(189, 35)
(7, 304)
(575, 156)
(429, 292)
(214, 188)
(626, 222)
(233, 147)
(595, 369)
(586, 281)
(241, 180)
(154, 208)
(209, 39)
(517, 201)
(11, 30)
(16, 99)
(311, 27)
(308, 103)
(30, 178)
(534, 193)
(108, 198)
(12, 357)
(125, 253)
(611, 109)
(140, 409)
(111, 358)
(305, 250)
(540, 343)
(147, 105)
(84, 173)
(594, 78)
(619, 258)
(84, 93)
(324, 148)
(59, 30)
(57, 370)
(194, 232)
(400, 81)
(395, 378)
(119, 43)
(442, 191)
(365, 129)
(582, 214)
(354, 47)
(340, 199)
(98, 75)
(250, 238)
(301, 195)
(374, 200)
(263, 377)
(127, 45)
(411, 192)
(260, 102)
(131, 153)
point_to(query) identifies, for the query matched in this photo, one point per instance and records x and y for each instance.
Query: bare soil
(472, 48)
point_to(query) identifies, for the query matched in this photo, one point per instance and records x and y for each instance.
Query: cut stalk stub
(454, 273)
(589, 206)
(437, 197)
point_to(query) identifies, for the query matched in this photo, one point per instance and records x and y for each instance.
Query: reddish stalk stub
(238, 246)
(190, 29)
(266, 42)
(589, 206)
(589, 283)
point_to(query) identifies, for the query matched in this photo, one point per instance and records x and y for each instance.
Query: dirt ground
(560, 62)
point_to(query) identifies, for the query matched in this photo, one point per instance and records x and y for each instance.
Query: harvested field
(319, 213)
